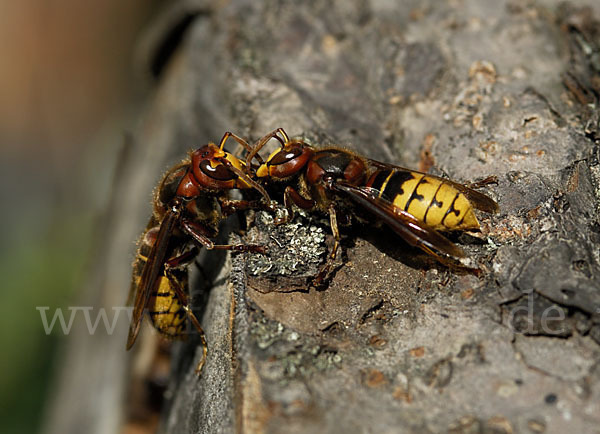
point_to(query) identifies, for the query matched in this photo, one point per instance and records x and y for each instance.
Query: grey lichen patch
(265, 332)
(295, 248)
(305, 363)
(289, 353)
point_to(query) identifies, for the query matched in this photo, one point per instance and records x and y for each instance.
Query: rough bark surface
(395, 343)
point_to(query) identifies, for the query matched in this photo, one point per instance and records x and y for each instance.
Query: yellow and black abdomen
(164, 308)
(429, 199)
(166, 312)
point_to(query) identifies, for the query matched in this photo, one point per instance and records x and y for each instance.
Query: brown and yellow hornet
(415, 205)
(189, 204)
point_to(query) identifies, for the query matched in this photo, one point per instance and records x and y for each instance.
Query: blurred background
(67, 99)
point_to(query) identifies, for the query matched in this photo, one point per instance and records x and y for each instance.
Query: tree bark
(395, 343)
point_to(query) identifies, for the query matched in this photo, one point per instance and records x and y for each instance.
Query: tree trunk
(395, 343)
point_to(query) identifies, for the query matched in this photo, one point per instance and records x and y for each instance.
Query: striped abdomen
(429, 199)
(164, 308)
